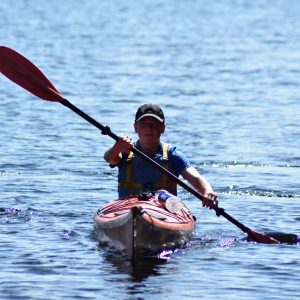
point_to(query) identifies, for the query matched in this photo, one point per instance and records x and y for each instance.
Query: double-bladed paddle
(24, 73)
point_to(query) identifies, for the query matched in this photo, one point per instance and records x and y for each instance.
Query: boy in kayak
(136, 175)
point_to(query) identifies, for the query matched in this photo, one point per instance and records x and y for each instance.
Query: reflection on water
(142, 268)
(138, 270)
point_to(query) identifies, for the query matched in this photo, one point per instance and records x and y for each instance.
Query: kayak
(142, 225)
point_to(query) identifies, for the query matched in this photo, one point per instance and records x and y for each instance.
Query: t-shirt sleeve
(179, 162)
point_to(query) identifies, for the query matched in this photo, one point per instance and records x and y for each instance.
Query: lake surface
(227, 76)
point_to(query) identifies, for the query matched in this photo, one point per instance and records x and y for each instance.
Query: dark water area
(227, 76)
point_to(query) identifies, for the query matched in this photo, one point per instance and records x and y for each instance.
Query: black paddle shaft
(106, 131)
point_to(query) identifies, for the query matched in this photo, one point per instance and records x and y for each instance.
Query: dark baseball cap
(150, 110)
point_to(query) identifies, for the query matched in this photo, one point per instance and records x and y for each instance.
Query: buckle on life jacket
(145, 196)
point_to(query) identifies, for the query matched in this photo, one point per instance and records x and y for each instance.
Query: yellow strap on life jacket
(128, 175)
(165, 164)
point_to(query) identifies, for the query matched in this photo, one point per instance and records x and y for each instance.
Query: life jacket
(129, 185)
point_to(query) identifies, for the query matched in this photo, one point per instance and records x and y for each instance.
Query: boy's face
(149, 130)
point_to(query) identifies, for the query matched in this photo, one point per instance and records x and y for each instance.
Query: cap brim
(150, 115)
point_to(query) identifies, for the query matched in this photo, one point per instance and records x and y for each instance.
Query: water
(227, 76)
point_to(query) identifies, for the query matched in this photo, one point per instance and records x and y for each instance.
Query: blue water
(227, 76)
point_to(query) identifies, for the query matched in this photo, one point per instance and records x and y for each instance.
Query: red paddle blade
(286, 238)
(261, 238)
(24, 73)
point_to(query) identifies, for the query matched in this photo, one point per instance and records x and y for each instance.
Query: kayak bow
(140, 226)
